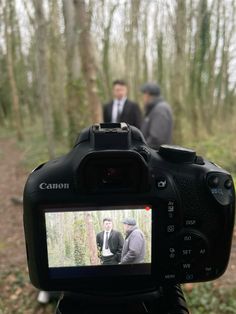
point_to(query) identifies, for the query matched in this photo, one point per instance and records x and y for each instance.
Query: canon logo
(54, 186)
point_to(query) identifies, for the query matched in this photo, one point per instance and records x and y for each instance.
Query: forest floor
(17, 296)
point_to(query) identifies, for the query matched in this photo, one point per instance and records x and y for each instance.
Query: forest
(58, 59)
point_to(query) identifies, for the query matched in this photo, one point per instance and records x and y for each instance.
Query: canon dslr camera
(81, 209)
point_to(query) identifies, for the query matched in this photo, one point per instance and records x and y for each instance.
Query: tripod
(165, 300)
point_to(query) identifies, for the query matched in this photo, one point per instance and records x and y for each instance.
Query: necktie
(118, 117)
(106, 241)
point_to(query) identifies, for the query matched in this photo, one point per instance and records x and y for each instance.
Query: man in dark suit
(110, 244)
(121, 109)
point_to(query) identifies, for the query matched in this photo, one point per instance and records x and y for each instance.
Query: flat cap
(129, 221)
(151, 89)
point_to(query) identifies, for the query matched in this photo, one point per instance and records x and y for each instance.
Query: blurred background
(58, 59)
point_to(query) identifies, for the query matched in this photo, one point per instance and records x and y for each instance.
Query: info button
(191, 222)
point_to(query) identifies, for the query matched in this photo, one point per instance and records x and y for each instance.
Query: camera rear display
(95, 241)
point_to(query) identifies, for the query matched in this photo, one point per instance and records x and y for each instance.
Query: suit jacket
(131, 113)
(115, 243)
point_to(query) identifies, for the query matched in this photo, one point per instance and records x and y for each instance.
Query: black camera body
(192, 204)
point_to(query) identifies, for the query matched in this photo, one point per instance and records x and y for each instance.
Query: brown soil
(16, 293)
(12, 179)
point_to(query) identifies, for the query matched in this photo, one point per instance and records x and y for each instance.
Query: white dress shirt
(115, 108)
(106, 252)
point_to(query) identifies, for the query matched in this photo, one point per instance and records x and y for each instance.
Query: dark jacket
(115, 243)
(157, 126)
(131, 113)
(134, 247)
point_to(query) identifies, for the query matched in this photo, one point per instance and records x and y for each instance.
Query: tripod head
(165, 300)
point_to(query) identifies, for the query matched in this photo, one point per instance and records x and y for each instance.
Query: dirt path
(12, 179)
(16, 293)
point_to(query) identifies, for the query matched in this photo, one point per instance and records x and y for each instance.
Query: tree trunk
(57, 70)
(106, 51)
(91, 239)
(88, 61)
(179, 70)
(42, 75)
(12, 80)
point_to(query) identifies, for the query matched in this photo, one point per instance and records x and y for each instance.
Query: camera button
(172, 254)
(170, 276)
(170, 228)
(213, 181)
(171, 215)
(223, 190)
(186, 266)
(201, 252)
(189, 277)
(187, 253)
(209, 271)
(161, 182)
(228, 184)
(191, 222)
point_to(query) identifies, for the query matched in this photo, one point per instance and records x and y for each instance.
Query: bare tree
(42, 74)
(75, 106)
(10, 69)
(88, 60)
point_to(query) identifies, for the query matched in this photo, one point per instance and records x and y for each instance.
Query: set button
(188, 247)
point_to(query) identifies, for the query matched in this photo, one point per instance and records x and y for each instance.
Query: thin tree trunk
(57, 71)
(88, 61)
(91, 239)
(178, 79)
(42, 75)
(106, 51)
(12, 80)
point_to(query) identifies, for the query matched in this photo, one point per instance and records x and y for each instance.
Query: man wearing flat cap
(157, 126)
(134, 247)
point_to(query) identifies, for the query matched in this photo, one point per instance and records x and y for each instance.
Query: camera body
(190, 201)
